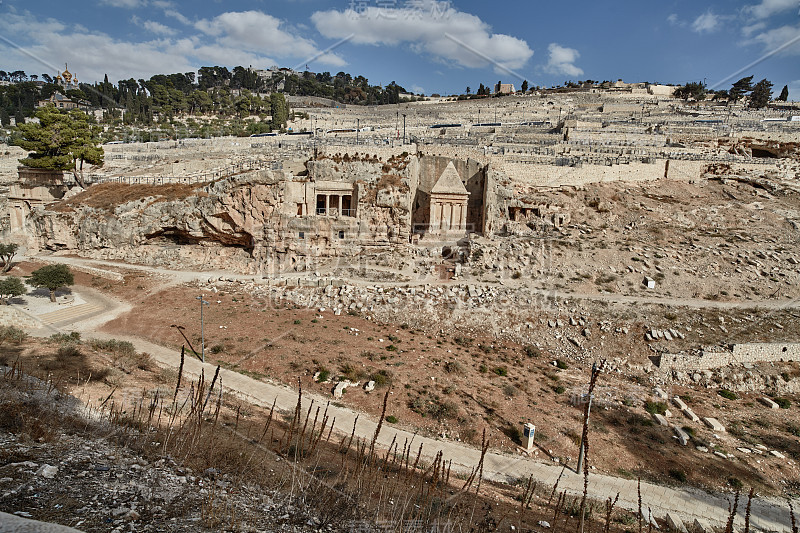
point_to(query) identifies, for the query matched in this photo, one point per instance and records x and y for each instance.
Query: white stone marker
(528, 432)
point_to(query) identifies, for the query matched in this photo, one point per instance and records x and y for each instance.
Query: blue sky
(425, 45)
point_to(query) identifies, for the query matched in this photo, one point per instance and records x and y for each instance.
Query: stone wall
(383, 153)
(99, 272)
(740, 353)
(10, 316)
(557, 176)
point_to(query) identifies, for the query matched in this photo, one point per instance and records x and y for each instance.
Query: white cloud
(562, 61)
(752, 28)
(778, 37)
(258, 32)
(427, 26)
(158, 28)
(674, 20)
(767, 8)
(177, 16)
(153, 26)
(706, 23)
(92, 54)
(127, 4)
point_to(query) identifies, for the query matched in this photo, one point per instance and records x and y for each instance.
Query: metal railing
(333, 211)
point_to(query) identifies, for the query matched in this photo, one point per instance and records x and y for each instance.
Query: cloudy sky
(425, 45)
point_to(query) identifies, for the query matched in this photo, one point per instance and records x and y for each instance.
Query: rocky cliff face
(207, 226)
(241, 223)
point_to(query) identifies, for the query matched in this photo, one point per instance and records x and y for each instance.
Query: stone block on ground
(674, 523)
(688, 413)
(714, 424)
(679, 403)
(660, 420)
(683, 437)
(648, 517)
(338, 391)
(769, 403)
(701, 526)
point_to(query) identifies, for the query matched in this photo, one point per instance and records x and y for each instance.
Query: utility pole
(202, 328)
(582, 450)
(358, 126)
(585, 437)
(404, 129)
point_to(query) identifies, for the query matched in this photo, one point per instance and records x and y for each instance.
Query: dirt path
(178, 277)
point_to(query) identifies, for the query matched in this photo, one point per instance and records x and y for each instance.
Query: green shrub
(654, 408)
(680, 475)
(64, 338)
(217, 349)
(68, 350)
(501, 371)
(462, 341)
(381, 378)
(12, 335)
(297, 322)
(559, 390)
(561, 364)
(391, 348)
(452, 367)
(391, 419)
(442, 410)
(483, 369)
(532, 351)
(113, 346)
(736, 483)
(352, 373)
(324, 375)
(783, 403)
(728, 395)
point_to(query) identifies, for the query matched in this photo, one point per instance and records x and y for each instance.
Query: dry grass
(302, 462)
(107, 196)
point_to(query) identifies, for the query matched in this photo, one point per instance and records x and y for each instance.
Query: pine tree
(761, 95)
(741, 88)
(525, 86)
(61, 141)
(280, 111)
(784, 96)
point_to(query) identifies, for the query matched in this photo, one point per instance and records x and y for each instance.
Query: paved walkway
(175, 277)
(686, 503)
(71, 314)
